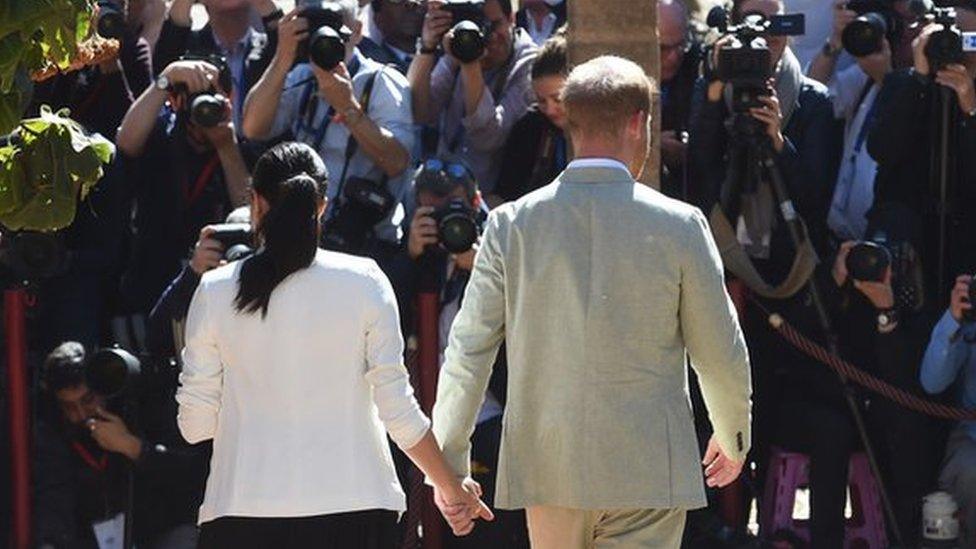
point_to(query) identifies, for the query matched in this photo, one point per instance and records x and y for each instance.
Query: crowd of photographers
(425, 115)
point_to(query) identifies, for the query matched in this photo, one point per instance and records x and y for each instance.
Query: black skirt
(374, 529)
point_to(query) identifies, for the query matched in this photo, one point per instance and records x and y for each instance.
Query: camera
(111, 20)
(327, 36)
(363, 204)
(876, 20)
(209, 108)
(236, 238)
(868, 261)
(745, 63)
(470, 31)
(946, 45)
(32, 255)
(458, 226)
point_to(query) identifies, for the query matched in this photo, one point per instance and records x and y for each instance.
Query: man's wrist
(133, 448)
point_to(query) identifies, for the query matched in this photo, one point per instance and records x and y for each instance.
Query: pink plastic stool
(789, 471)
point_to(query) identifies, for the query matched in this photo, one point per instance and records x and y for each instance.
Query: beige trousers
(564, 528)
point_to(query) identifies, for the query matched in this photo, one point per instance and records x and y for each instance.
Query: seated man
(82, 454)
(474, 105)
(950, 361)
(356, 115)
(183, 176)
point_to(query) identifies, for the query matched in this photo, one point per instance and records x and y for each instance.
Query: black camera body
(868, 262)
(471, 29)
(876, 20)
(111, 20)
(209, 108)
(327, 36)
(946, 45)
(363, 204)
(458, 226)
(236, 238)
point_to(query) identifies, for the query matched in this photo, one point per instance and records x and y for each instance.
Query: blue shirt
(950, 358)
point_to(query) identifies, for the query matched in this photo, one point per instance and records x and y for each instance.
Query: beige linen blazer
(599, 286)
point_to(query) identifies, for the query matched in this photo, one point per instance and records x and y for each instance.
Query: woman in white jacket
(293, 366)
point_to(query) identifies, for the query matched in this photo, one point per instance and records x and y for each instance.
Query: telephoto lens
(326, 48)
(467, 41)
(208, 110)
(868, 261)
(111, 20)
(864, 35)
(457, 226)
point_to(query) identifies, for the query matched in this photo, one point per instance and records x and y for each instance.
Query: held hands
(461, 505)
(720, 470)
(110, 432)
(959, 300)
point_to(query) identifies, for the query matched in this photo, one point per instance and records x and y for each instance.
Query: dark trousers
(827, 434)
(374, 529)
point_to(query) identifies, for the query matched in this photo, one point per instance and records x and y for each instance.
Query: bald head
(603, 94)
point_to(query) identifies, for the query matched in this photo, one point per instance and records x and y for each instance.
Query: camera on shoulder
(947, 45)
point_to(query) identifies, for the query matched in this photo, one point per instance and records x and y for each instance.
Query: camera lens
(468, 42)
(207, 110)
(944, 47)
(326, 48)
(457, 232)
(111, 371)
(863, 36)
(111, 22)
(868, 262)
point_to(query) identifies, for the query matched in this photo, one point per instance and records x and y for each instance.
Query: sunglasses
(453, 169)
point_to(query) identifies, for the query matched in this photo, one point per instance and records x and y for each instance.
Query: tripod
(753, 152)
(941, 177)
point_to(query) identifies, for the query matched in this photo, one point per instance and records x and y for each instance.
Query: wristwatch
(162, 82)
(829, 50)
(423, 50)
(887, 320)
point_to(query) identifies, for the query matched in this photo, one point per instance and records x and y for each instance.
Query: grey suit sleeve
(714, 340)
(476, 334)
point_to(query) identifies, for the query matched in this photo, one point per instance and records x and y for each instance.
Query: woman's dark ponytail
(288, 232)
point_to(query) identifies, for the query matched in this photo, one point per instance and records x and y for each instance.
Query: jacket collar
(596, 170)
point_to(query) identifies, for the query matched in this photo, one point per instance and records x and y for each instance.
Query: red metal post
(15, 303)
(428, 359)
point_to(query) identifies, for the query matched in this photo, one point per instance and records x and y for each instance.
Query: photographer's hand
(840, 262)
(110, 432)
(208, 253)
(423, 232)
(436, 24)
(959, 300)
(957, 78)
(880, 294)
(921, 60)
(770, 115)
(197, 76)
(465, 261)
(335, 87)
(842, 18)
(717, 87)
(292, 29)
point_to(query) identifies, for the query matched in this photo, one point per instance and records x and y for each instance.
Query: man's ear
(637, 124)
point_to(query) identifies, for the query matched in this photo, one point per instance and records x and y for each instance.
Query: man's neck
(230, 26)
(594, 149)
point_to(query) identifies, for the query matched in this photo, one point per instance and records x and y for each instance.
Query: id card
(110, 534)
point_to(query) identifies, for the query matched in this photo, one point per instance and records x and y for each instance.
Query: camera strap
(99, 465)
(862, 134)
(192, 194)
(310, 105)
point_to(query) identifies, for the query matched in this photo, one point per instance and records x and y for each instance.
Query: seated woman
(536, 150)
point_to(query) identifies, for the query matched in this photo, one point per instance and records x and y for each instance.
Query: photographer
(183, 175)
(83, 452)
(428, 266)
(228, 33)
(356, 115)
(397, 25)
(905, 122)
(473, 104)
(537, 151)
(951, 363)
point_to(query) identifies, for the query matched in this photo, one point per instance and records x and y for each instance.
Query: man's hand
(461, 506)
(880, 294)
(223, 134)
(423, 232)
(436, 24)
(197, 76)
(292, 29)
(208, 253)
(771, 115)
(465, 261)
(842, 18)
(959, 300)
(717, 87)
(110, 432)
(673, 148)
(878, 64)
(720, 470)
(840, 262)
(921, 61)
(335, 87)
(957, 78)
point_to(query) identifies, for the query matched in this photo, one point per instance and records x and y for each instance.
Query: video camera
(745, 63)
(947, 45)
(236, 238)
(209, 108)
(111, 20)
(471, 29)
(327, 35)
(876, 20)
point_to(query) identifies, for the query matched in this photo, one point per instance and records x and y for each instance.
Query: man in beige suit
(599, 286)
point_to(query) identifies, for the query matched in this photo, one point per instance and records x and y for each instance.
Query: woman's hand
(461, 505)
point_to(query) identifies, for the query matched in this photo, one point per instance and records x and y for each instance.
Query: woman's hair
(292, 178)
(552, 59)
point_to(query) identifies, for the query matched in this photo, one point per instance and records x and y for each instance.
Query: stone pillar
(627, 28)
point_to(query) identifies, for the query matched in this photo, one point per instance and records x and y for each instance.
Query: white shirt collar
(597, 163)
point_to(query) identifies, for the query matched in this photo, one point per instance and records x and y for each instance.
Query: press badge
(110, 534)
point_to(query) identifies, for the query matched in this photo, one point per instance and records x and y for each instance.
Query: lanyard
(191, 195)
(86, 456)
(862, 134)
